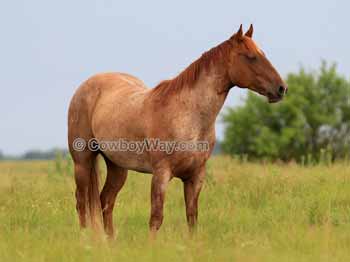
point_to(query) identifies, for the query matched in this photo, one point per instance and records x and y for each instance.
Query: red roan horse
(112, 106)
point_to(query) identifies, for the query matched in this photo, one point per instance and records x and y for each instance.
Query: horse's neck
(205, 99)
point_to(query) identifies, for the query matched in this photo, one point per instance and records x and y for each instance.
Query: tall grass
(248, 212)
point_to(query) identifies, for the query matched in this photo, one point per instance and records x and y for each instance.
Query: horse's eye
(251, 58)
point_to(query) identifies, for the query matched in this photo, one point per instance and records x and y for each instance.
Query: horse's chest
(185, 163)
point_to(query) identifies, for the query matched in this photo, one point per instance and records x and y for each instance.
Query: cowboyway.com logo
(148, 144)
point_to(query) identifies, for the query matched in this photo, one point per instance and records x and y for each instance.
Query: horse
(112, 106)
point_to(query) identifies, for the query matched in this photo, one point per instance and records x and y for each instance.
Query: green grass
(247, 212)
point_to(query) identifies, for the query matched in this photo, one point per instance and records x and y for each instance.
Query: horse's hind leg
(116, 177)
(82, 169)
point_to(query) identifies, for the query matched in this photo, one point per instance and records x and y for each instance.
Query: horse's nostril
(281, 90)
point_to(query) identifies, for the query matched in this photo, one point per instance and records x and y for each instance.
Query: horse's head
(249, 68)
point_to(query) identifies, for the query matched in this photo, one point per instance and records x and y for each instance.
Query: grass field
(248, 212)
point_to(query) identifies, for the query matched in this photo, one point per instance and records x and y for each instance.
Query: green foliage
(311, 124)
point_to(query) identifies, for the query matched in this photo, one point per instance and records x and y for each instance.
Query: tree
(313, 118)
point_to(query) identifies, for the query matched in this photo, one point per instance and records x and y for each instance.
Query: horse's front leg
(160, 180)
(192, 188)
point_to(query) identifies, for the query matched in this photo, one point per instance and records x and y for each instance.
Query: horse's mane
(189, 76)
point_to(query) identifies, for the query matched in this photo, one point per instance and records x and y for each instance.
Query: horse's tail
(94, 198)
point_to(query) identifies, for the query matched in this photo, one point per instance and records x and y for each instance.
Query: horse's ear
(239, 35)
(249, 33)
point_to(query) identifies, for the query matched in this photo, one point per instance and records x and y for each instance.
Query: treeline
(311, 124)
(36, 155)
(58, 153)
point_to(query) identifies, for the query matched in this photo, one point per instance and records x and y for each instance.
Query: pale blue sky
(49, 47)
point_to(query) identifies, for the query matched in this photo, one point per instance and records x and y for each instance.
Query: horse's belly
(130, 160)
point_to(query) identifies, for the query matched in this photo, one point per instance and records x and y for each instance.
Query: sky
(48, 48)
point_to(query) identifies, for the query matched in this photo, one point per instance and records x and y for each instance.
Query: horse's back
(115, 80)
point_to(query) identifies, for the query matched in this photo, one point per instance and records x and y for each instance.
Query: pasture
(247, 212)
